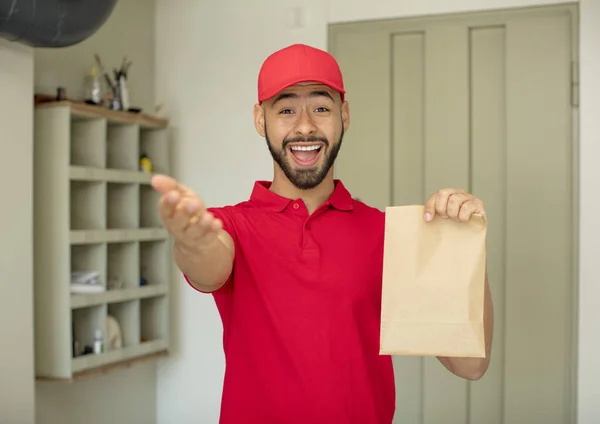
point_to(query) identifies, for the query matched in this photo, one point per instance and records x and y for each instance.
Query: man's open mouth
(306, 154)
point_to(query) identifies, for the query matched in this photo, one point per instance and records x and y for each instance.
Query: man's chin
(306, 185)
(305, 170)
(306, 179)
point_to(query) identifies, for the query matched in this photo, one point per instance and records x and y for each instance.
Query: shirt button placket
(308, 241)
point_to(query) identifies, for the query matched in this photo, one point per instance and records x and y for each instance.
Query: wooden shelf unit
(94, 210)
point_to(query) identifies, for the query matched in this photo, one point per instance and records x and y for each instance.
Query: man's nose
(305, 125)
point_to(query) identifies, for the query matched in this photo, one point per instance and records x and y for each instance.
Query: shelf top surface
(86, 111)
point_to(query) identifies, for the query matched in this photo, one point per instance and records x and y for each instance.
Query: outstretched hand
(184, 214)
(453, 203)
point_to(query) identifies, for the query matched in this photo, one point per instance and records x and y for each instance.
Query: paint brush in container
(111, 85)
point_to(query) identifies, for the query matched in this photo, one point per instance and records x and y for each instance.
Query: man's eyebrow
(321, 93)
(316, 93)
(284, 96)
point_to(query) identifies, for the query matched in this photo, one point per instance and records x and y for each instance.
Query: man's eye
(285, 111)
(322, 109)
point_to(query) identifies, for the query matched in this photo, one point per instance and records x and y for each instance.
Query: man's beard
(305, 178)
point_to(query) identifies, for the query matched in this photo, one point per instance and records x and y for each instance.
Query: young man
(296, 270)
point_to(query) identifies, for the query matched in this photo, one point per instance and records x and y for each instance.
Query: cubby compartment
(88, 200)
(123, 265)
(88, 142)
(122, 206)
(127, 331)
(89, 259)
(149, 216)
(122, 144)
(154, 262)
(154, 318)
(86, 323)
(154, 144)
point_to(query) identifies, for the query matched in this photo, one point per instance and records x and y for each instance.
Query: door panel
(480, 101)
(446, 165)
(408, 123)
(539, 238)
(408, 67)
(366, 61)
(488, 182)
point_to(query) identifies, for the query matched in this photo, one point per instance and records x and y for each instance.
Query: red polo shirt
(301, 313)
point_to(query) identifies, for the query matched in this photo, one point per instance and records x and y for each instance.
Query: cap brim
(272, 92)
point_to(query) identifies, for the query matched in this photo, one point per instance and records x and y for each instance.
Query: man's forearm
(207, 267)
(475, 368)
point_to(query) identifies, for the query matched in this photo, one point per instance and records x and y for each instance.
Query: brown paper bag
(433, 285)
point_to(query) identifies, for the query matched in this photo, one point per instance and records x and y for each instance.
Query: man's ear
(259, 120)
(346, 116)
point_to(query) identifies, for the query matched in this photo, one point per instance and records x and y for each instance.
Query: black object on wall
(52, 23)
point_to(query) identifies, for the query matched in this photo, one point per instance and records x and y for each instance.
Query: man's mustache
(310, 139)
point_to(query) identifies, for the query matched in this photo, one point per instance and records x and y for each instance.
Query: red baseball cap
(298, 63)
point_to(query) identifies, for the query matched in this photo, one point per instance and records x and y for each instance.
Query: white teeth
(305, 148)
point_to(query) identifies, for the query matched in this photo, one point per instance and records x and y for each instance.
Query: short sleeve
(224, 215)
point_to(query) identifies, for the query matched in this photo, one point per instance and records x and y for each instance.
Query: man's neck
(312, 198)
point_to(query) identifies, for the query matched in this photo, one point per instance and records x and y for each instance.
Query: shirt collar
(261, 195)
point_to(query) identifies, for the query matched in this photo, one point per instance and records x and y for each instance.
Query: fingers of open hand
(185, 216)
(185, 213)
(201, 225)
(167, 206)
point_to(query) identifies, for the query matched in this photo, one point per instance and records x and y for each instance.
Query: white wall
(17, 403)
(208, 58)
(589, 245)
(67, 67)
(129, 395)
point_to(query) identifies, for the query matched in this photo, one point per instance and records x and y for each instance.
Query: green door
(485, 102)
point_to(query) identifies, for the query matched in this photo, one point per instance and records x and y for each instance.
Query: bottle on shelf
(93, 88)
(98, 342)
(145, 163)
